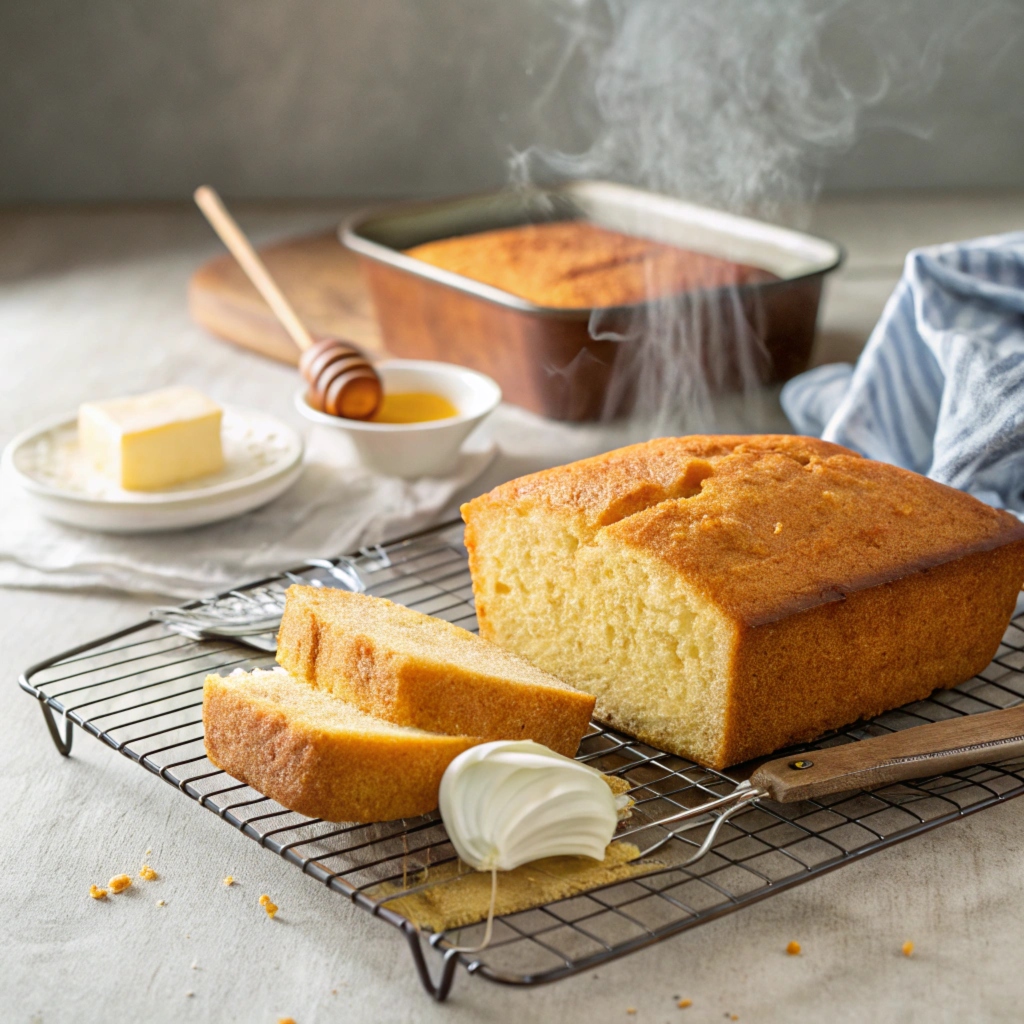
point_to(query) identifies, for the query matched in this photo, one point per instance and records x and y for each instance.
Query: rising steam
(737, 104)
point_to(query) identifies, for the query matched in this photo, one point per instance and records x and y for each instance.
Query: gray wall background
(113, 99)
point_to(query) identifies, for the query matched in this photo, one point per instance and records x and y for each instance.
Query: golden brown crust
(337, 773)
(576, 265)
(638, 476)
(798, 677)
(412, 669)
(766, 525)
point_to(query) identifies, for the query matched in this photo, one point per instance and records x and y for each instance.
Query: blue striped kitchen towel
(939, 387)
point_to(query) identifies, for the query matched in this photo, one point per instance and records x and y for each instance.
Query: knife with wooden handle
(910, 754)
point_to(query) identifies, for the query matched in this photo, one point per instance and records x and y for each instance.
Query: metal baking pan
(547, 359)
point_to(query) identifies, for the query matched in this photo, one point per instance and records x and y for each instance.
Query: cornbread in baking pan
(575, 264)
(722, 597)
(413, 669)
(318, 755)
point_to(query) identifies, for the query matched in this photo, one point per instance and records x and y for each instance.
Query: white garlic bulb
(512, 801)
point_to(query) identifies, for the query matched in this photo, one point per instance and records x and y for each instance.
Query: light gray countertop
(92, 301)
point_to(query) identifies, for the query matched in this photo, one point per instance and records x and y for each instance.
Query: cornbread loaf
(319, 755)
(725, 596)
(575, 264)
(412, 669)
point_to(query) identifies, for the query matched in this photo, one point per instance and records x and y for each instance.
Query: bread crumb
(190, 993)
(119, 883)
(149, 851)
(229, 880)
(908, 949)
(147, 873)
(195, 965)
(778, 528)
(285, 1020)
(97, 893)
(631, 1009)
(684, 1003)
(161, 903)
(268, 905)
(793, 949)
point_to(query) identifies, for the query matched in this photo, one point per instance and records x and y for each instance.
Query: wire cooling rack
(140, 691)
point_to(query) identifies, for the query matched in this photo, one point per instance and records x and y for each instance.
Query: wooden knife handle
(911, 754)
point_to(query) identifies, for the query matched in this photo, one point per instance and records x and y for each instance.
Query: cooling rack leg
(63, 744)
(444, 983)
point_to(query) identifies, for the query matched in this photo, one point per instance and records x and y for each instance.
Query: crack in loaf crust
(724, 596)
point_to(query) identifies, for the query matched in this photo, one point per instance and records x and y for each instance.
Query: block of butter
(148, 442)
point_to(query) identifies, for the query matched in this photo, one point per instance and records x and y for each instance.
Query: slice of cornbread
(412, 669)
(724, 596)
(319, 755)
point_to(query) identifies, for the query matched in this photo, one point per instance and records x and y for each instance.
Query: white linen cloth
(939, 388)
(335, 507)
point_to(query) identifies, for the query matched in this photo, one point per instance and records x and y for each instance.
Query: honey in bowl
(413, 407)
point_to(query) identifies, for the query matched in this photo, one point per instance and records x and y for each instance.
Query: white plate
(263, 459)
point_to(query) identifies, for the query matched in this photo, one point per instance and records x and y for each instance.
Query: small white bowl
(411, 450)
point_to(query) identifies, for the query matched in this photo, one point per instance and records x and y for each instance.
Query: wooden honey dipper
(341, 380)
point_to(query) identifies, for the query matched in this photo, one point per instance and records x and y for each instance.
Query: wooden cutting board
(320, 278)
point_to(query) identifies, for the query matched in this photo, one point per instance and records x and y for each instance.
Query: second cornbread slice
(318, 755)
(412, 669)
